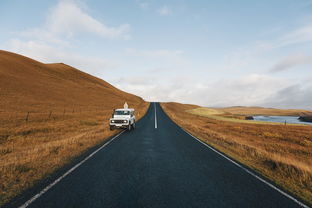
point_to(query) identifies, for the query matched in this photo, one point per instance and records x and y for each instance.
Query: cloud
(52, 42)
(299, 35)
(251, 90)
(164, 11)
(141, 81)
(159, 58)
(291, 61)
(143, 4)
(154, 53)
(67, 19)
(298, 95)
(47, 54)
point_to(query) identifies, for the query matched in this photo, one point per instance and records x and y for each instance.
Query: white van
(122, 118)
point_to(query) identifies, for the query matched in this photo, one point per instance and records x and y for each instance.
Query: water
(281, 119)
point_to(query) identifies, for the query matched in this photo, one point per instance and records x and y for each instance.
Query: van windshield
(122, 113)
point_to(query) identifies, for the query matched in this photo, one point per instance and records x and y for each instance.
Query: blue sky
(211, 53)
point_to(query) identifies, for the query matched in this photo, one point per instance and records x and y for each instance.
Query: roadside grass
(281, 153)
(29, 151)
(89, 122)
(49, 114)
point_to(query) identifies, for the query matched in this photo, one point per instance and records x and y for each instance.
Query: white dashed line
(155, 116)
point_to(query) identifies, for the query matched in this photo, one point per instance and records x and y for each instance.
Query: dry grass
(239, 114)
(281, 153)
(68, 114)
(239, 110)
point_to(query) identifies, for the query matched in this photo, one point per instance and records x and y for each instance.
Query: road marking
(249, 172)
(31, 200)
(155, 116)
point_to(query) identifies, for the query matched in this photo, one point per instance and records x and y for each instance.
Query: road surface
(156, 165)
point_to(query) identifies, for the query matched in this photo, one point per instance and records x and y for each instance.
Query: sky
(206, 52)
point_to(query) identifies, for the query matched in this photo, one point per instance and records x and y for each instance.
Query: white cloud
(164, 11)
(45, 53)
(67, 19)
(292, 61)
(140, 81)
(52, 41)
(154, 53)
(255, 89)
(159, 58)
(299, 35)
(296, 95)
(251, 90)
(143, 4)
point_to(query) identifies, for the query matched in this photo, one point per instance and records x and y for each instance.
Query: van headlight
(112, 121)
(125, 121)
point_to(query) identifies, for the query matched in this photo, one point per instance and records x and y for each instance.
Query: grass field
(281, 153)
(239, 110)
(49, 114)
(239, 114)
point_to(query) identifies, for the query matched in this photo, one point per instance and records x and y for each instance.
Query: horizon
(204, 53)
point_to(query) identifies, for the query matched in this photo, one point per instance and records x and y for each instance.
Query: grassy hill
(50, 113)
(28, 85)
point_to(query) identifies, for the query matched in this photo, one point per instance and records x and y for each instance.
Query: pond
(281, 119)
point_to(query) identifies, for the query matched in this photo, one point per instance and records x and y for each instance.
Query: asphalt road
(157, 166)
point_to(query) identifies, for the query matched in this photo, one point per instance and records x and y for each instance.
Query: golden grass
(218, 115)
(263, 111)
(281, 153)
(242, 112)
(68, 113)
(31, 151)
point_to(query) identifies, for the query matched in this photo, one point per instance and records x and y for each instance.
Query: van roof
(124, 109)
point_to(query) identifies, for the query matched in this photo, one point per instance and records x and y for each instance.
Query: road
(157, 165)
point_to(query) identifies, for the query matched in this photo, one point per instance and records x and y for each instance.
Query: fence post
(27, 116)
(50, 114)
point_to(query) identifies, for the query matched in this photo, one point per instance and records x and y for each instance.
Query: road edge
(26, 195)
(246, 168)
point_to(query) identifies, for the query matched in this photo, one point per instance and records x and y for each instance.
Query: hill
(49, 114)
(29, 85)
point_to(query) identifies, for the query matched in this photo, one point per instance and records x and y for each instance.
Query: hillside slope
(49, 114)
(27, 84)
